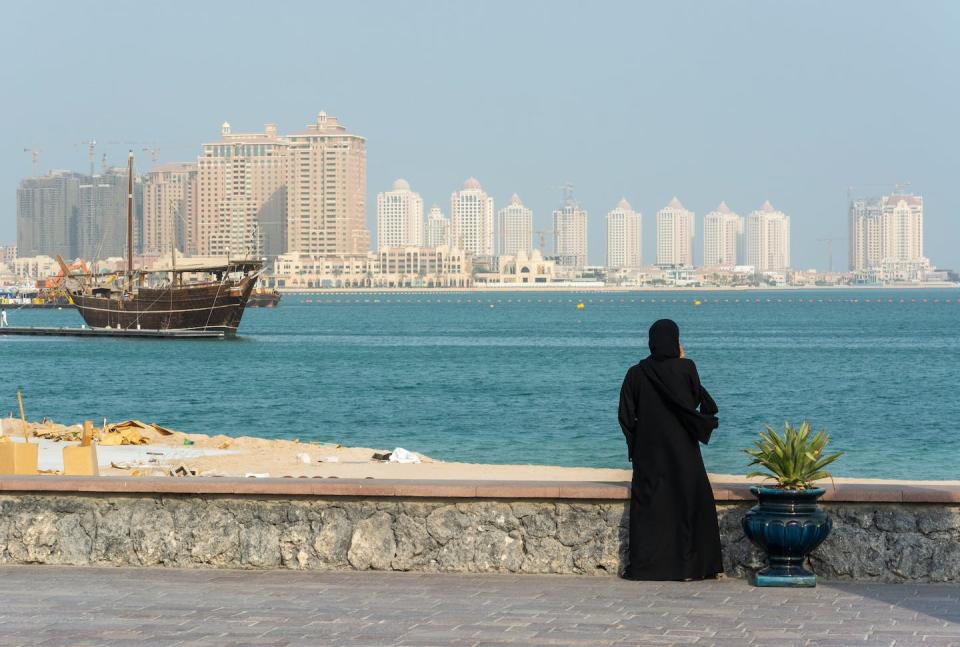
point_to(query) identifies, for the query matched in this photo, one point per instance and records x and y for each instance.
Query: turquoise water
(531, 379)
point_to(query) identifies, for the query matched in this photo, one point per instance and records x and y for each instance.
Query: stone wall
(882, 541)
(870, 541)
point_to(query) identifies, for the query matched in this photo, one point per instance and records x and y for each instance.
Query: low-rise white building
(34, 268)
(392, 267)
(520, 269)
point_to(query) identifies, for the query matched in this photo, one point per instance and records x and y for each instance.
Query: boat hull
(214, 307)
(264, 299)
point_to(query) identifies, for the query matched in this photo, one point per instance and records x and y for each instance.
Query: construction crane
(91, 145)
(542, 234)
(34, 158)
(146, 147)
(829, 241)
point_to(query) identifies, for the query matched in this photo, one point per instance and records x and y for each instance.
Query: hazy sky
(737, 101)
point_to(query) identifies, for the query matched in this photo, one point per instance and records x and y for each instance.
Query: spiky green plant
(794, 460)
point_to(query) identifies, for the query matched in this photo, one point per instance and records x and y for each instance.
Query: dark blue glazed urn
(788, 525)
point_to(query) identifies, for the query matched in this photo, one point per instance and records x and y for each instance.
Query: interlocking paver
(47, 605)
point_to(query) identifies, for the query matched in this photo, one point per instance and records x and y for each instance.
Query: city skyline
(176, 190)
(713, 140)
(882, 230)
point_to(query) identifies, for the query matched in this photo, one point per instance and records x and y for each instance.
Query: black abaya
(673, 518)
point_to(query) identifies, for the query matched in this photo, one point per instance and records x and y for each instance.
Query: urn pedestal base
(788, 525)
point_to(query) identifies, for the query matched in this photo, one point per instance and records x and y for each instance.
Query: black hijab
(664, 339)
(701, 419)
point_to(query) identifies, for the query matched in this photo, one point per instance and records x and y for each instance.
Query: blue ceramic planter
(788, 525)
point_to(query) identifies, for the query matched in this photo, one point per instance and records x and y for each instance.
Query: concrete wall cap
(851, 492)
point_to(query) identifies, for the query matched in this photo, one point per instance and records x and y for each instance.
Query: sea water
(527, 377)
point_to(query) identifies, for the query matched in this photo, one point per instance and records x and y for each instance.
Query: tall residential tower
(722, 238)
(624, 237)
(170, 209)
(887, 232)
(242, 194)
(675, 232)
(326, 190)
(570, 233)
(471, 219)
(399, 217)
(438, 228)
(46, 214)
(768, 239)
(515, 228)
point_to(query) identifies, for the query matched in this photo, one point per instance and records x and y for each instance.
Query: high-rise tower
(399, 217)
(471, 219)
(624, 237)
(326, 190)
(768, 239)
(515, 228)
(722, 238)
(675, 232)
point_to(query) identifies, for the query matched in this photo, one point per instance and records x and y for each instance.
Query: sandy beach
(164, 452)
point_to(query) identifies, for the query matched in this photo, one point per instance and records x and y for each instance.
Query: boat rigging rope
(217, 296)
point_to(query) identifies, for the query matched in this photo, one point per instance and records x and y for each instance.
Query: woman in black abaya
(665, 413)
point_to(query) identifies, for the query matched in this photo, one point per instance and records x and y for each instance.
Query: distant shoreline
(613, 289)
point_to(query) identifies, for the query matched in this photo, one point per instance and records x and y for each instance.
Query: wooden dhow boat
(264, 298)
(160, 299)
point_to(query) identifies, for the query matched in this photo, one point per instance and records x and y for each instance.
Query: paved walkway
(95, 606)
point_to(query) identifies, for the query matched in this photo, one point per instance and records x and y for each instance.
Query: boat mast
(130, 219)
(173, 251)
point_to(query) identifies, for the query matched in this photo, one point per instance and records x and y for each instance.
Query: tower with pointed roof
(514, 228)
(624, 237)
(722, 238)
(570, 232)
(768, 239)
(471, 219)
(399, 217)
(675, 234)
(437, 228)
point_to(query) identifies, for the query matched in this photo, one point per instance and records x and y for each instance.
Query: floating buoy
(581, 306)
(697, 302)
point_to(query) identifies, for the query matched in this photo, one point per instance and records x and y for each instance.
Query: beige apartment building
(399, 217)
(866, 234)
(438, 228)
(886, 237)
(722, 238)
(570, 234)
(431, 267)
(768, 239)
(624, 237)
(515, 228)
(8, 253)
(326, 190)
(304, 271)
(388, 268)
(170, 209)
(471, 219)
(675, 233)
(902, 238)
(242, 194)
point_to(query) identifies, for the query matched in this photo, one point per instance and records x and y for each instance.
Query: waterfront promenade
(46, 605)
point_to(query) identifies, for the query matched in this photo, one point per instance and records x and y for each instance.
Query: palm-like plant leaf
(794, 459)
